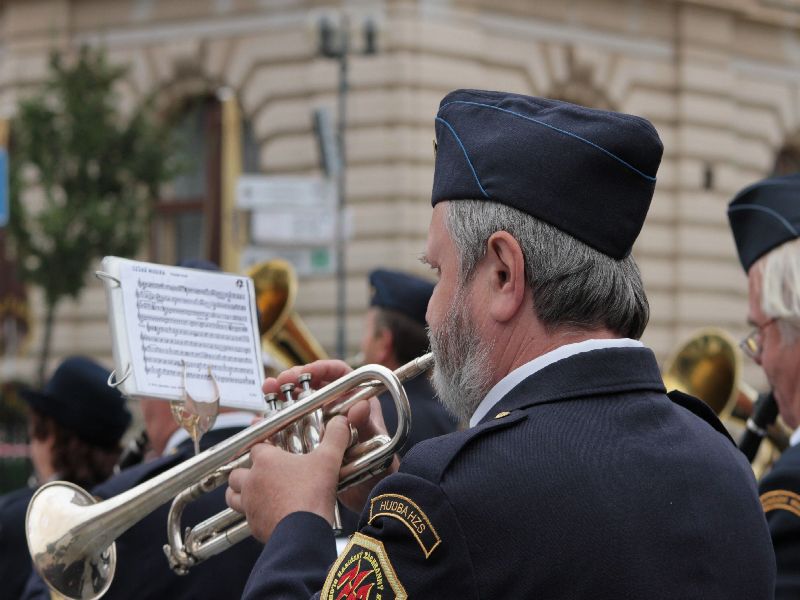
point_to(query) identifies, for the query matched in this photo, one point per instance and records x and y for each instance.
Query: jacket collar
(610, 370)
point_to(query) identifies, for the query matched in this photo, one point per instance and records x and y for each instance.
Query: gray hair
(780, 288)
(574, 286)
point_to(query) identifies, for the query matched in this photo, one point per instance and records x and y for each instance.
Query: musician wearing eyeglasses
(765, 219)
(578, 477)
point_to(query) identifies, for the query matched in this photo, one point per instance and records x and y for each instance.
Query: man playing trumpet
(578, 476)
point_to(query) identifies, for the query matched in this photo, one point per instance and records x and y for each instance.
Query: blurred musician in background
(578, 476)
(75, 424)
(394, 333)
(765, 219)
(142, 570)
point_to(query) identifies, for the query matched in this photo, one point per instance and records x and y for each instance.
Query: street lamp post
(334, 43)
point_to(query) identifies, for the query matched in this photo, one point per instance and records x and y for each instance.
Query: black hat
(402, 292)
(764, 215)
(590, 173)
(78, 398)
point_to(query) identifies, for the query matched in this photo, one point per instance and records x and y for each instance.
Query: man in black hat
(75, 425)
(142, 568)
(579, 477)
(394, 333)
(765, 219)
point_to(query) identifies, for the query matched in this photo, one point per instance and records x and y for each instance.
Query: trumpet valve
(294, 435)
(286, 390)
(273, 406)
(313, 425)
(305, 382)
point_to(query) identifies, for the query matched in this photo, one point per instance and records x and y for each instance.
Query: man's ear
(506, 269)
(384, 345)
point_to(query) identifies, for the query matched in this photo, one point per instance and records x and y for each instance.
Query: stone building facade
(720, 79)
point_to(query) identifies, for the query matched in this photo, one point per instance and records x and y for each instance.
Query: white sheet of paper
(198, 319)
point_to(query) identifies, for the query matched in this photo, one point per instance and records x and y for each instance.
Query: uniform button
(500, 415)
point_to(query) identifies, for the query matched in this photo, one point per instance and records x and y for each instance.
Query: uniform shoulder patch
(363, 572)
(409, 514)
(781, 500)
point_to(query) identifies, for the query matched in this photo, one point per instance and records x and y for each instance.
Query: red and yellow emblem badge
(363, 572)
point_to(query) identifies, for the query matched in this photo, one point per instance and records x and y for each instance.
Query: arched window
(184, 214)
(187, 218)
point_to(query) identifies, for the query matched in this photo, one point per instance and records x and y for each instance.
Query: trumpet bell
(81, 567)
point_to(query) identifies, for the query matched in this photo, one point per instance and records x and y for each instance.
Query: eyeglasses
(752, 345)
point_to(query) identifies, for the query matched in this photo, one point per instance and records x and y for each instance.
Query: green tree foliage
(83, 178)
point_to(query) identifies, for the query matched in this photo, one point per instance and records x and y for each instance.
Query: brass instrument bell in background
(708, 365)
(284, 337)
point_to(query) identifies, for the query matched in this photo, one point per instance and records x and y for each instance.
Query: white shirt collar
(510, 381)
(795, 437)
(224, 421)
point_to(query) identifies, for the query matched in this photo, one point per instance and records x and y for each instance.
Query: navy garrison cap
(764, 215)
(78, 398)
(402, 292)
(588, 172)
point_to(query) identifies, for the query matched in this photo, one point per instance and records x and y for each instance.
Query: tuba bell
(284, 337)
(708, 365)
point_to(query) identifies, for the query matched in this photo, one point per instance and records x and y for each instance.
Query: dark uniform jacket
(428, 417)
(15, 561)
(780, 496)
(585, 481)
(142, 569)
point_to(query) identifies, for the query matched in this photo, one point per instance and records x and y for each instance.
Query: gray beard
(460, 376)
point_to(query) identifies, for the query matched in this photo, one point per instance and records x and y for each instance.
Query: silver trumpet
(71, 535)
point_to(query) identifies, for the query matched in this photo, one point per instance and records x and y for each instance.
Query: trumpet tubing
(71, 536)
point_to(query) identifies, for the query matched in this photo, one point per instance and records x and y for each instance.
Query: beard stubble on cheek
(460, 377)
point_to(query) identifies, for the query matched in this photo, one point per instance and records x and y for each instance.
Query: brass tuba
(284, 337)
(708, 365)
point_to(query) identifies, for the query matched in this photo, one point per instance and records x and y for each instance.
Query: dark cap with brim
(78, 398)
(765, 215)
(590, 173)
(402, 292)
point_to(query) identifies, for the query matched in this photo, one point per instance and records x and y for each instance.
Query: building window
(186, 219)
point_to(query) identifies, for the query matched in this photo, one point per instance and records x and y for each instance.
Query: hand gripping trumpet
(71, 536)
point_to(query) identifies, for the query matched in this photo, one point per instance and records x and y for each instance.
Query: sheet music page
(189, 318)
